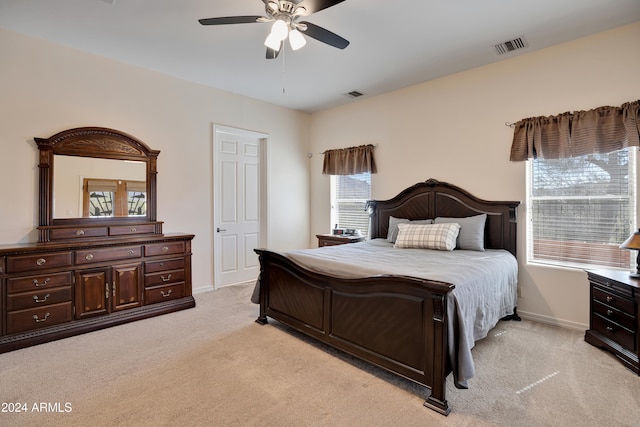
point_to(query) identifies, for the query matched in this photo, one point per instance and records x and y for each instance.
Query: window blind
(580, 209)
(349, 196)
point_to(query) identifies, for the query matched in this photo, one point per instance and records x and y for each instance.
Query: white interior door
(239, 204)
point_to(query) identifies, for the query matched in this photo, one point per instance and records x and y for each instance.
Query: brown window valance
(600, 130)
(349, 161)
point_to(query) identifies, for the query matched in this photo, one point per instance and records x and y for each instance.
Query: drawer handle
(38, 284)
(166, 279)
(609, 328)
(89, 257)
(610, 298)
(46, 297)
(165, 248)
(80, 233)
(41, 261)
(133, 229)
(609, 312)
(167, 294)
(130, 252)
(44, 319)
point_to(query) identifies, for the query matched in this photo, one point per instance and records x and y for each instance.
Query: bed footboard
(394, 322)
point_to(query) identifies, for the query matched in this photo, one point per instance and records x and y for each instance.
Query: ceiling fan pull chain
(284, 80)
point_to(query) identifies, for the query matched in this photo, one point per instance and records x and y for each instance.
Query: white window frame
(334, 214)
(632, 194)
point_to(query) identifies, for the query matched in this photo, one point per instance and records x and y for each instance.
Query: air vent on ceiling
(354, 94)
(511, 45)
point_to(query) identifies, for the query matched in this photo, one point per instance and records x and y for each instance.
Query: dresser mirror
(96, 183)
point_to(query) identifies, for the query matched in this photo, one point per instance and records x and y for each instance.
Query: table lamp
(633, 242)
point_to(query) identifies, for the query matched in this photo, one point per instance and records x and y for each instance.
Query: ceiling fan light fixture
(296, 39)
(280, 29)
(273, 42)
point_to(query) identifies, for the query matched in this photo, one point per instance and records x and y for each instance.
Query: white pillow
(471, 236)
(433, 236)
(392, 232)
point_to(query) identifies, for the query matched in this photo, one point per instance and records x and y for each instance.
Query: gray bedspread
(485, 285)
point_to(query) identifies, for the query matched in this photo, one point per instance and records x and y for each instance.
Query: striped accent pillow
(433, 236)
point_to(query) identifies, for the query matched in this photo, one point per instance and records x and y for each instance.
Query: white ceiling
(394, 44)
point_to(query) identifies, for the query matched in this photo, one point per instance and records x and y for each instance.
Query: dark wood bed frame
(397, 323)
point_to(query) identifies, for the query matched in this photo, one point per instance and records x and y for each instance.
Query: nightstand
(332, 240)
(614, 321)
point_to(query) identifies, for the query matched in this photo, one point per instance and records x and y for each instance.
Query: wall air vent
(354, 94)
(511, 45)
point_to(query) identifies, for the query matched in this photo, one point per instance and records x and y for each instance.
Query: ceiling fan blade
(273, 54)
(313, 6)
(230, 20)
(324, 35)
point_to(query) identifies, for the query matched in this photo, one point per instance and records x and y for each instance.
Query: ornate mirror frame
(103, 143)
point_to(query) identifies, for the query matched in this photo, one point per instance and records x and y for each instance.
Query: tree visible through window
(349, 195)
(580, 209)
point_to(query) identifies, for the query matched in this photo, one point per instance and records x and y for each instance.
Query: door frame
(264, 189)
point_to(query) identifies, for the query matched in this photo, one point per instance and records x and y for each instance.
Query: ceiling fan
(286, 16)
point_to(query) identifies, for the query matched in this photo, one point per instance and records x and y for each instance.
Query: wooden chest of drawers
(614, 320)
(52, 291)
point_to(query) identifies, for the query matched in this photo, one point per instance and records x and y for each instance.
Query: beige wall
(47, 88)
(452, 129)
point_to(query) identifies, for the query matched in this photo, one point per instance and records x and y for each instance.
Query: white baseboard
(553, 321)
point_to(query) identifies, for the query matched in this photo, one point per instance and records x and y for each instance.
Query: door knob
(220, 229)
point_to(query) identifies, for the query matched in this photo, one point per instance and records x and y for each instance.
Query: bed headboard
(432, 198)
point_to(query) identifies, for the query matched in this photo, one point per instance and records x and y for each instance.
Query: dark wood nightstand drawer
(613, 300)
(614, 315)
(613, 331)
(332, 240)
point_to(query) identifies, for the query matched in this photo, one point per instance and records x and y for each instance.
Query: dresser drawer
(164, 293)
(164, 265)
(164, 248)
(126, 230)
(77, 233)
(26, 320)
(87, 256)
(44, 281)
(613, 331)
(614, 300)
(24, 263)
(614, 315)
(163, 278)
(38, 298)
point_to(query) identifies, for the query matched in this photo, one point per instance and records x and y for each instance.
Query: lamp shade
(633, 242)
(296, 39)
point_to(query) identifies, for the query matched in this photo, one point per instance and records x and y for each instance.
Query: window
(580, 209)
(109, 197)
(349, 195)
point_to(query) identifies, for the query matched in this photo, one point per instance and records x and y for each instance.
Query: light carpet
(213, 366)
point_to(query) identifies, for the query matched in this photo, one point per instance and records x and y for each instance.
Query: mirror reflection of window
(136, 198)
(110, 197)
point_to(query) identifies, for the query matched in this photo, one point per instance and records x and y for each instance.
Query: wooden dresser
(101, 258)
(614, 321)
(58, 290)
